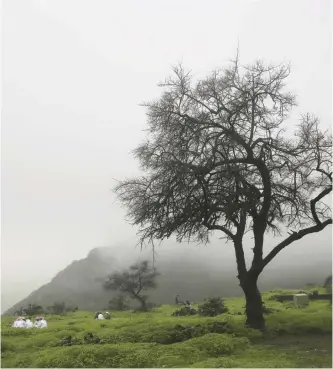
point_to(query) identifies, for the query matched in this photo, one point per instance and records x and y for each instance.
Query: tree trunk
(254, 309)
(142, 302)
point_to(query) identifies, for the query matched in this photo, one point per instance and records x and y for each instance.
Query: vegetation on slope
(293, 338)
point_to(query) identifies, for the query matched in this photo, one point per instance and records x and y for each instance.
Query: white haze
(75, 72)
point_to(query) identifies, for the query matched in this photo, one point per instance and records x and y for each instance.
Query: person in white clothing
(28, 323)
(42, 323)
(14, 325)
(19, 323)
(37, 322)
(100, 316)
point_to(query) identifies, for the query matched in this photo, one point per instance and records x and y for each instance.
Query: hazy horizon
(74, 74)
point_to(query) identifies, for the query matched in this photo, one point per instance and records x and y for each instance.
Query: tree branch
(294, 237)
(315, 200)
(219, 228)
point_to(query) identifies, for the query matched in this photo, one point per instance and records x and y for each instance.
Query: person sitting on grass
(22, 322)
(100, 316)
(107, 315)
(37, 322)
(19, 323)
(42, 323)
(178, 301)
(14, 325)
(28, 323)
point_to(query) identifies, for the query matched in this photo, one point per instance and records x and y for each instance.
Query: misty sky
(75, 72)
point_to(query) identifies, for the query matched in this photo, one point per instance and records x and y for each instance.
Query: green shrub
(267, 310)
(218, 344)
(69, 341)
(137, 359)
(90, 338)
(178, 333)
(212, 307)
(186, 310)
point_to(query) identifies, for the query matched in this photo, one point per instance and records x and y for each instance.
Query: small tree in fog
(33, 309)
(118, 303)
(58, 308)
(216, 159)
(139, 278)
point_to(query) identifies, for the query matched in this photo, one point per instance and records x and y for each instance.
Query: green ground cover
(295, 338)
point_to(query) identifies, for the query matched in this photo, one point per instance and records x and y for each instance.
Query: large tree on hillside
(217, 159)
(134, 282)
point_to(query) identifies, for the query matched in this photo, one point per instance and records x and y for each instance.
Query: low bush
(212, 307)
(267, 310)
(186, 310)
(69, 341)
(214, 344)
(90, 338)
(179, 333)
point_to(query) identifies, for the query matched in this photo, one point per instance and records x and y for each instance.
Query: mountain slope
(193, 275)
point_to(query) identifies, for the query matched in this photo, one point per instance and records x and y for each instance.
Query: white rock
(301, 300)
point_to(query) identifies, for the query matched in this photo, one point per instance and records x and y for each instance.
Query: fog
(74, 74)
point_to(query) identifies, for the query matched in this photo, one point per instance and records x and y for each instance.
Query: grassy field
(295, 338)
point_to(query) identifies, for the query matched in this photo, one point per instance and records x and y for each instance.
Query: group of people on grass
(22, 322)
(40, 322)
(100, 316)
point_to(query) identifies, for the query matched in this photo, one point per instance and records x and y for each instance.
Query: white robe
(28, 323)
(19, 324)
(100, 316)
(37, 324)
(42, 323)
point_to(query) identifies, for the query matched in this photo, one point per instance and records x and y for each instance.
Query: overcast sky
(75, 72)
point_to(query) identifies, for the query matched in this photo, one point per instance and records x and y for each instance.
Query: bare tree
(118, 303)
(217, 159)
(139, 278)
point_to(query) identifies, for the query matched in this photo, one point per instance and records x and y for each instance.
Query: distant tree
(20, 311)
(118, 303)
(216, 159)
(71, 308)
(139, 278)
(33, 309)
(57, 308)
(49, 309)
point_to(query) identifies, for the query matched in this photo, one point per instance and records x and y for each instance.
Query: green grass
(294, 338)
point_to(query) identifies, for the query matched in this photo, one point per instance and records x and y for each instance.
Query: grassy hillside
(294, 338)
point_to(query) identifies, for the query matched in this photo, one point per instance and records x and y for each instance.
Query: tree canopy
(218, 157)
(138, 279)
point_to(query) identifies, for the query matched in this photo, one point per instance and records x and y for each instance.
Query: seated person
(42, 323)
(28, 323)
